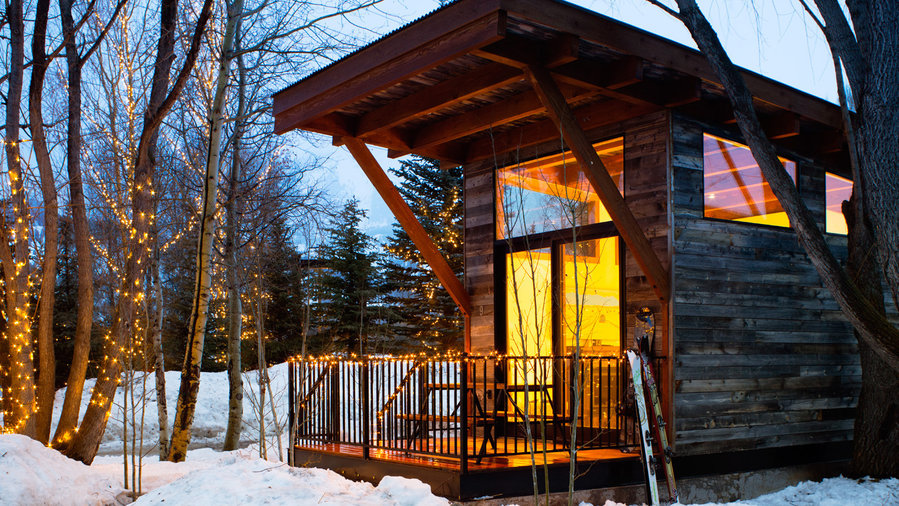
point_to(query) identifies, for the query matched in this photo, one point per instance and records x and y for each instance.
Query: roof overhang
(452, 86)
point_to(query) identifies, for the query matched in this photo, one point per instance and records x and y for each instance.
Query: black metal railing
(469, 407)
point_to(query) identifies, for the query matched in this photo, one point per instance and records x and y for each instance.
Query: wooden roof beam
(391, 60)
(410, 223)
(588, 117)
(602, 183)
(519, 52)
(606, 76)
(441, 95)
(470, 122)
(781, 126)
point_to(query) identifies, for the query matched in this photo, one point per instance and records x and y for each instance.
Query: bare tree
(190, 374)
(85, 443)
(75, 61)
(19, 371)
(46, 389)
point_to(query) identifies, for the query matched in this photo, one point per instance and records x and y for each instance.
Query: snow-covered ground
(33, 474)
(210, 418)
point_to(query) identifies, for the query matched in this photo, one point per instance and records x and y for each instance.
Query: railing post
(463, 380)
(334, 402)
(291, 413)
(366, 409)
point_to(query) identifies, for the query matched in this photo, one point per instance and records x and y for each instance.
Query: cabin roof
(451, 86)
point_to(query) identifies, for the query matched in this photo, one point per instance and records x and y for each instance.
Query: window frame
(736, 139)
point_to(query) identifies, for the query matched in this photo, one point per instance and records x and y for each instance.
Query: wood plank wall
(764, 357)
(478, 183)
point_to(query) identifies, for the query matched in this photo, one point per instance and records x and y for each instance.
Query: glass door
(591, 324)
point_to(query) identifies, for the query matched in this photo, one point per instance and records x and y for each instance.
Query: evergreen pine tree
(426, 313)
(349, 284)
(285, 282)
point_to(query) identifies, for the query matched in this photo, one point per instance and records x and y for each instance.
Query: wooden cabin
(603, 173)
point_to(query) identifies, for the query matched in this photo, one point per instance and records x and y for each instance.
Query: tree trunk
(235, 307)
(71, 406)
(876, 435)
(18, 326)
(259, 314)
(190, 372)
(878, 129)
(46, 388)
(156, 320)
(84, 445)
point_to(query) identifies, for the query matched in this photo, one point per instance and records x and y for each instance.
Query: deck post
(291, 413)
(463, 381)
(334, 402)
(366, 412)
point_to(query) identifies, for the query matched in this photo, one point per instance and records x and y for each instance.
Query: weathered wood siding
(479, 238)
(764, 357)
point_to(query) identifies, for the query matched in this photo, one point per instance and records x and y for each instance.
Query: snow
(33, 474)
(210, 418)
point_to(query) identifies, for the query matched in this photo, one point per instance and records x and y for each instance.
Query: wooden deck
(553, 456)
(502, 475)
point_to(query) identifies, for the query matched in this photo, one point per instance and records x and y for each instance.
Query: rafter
(445, 94)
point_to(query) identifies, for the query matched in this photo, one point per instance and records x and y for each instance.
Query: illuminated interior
(553, 193)
(735, 188)
(590, 313)
(529, 328)
(837, 190)
(591, 318)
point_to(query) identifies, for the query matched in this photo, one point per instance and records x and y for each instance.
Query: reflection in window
(837, 190)
(735, 188)
(553, 193)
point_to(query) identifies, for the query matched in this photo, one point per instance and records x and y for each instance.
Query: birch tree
(190, 373)
(85, 443)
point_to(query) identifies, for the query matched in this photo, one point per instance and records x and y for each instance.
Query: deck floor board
(553, 456)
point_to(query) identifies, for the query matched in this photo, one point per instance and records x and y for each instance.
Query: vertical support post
(334, 403)
(291, 412)
(463, 380)
(366, 409)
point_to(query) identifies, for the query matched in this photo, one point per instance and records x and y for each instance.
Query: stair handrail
(393, 396)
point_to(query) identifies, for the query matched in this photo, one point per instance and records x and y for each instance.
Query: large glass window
(553, 193)
(837, 190)
(735, 188)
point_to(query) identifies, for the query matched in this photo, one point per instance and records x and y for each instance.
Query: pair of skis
(641, 372)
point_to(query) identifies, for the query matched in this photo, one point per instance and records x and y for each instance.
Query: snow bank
(830, 492)
(31, 473)
(242, 480)
(210, 418)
